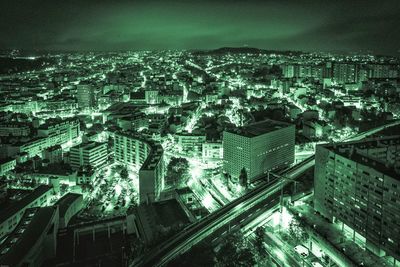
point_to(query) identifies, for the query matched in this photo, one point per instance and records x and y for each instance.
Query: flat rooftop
(354, 152)
(260, 128)
(66, 201)
(22, 203)
(89, 145)
(25, 235)
(166, 213)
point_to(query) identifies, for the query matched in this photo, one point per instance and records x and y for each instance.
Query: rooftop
(56, 121)
(6, 160)
(355, 151)
(25, 235)
(260, 128)
(17, 206)
(88, 145)
(166, 213)
(66, 201)
(53, 148)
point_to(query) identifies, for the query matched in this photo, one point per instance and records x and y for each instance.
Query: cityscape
(233, 149)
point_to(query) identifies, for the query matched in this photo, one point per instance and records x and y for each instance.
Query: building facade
(91, 154)
(212, 151)
(357, 185)
(85, 96)
(6, 165)
(259, 148)
(145, 154)
(34, 239)
(189, 143)
(12, 214)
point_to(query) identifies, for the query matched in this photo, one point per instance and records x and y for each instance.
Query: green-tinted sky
(179, 24)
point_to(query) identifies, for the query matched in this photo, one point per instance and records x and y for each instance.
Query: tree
(243, 177)
(235, 252)
(198, 256)
(259, 242)
(124, 173)
(297, 232)
(245, 257)
(177, 172)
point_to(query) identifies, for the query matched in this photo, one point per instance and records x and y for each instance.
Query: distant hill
(244, 50)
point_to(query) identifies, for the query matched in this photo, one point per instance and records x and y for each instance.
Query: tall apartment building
(145, 154)
(382, 71)
(259, 148)
(357, 184)
(303, 71)
(151, 96)
(345, 72)
(85, 95)
(91, 154)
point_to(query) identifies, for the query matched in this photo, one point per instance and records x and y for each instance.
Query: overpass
(265, 192)
(193, 234)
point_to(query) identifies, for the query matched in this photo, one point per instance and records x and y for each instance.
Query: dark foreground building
(357, 184)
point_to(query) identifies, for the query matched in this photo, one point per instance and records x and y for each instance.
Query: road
(264, 192)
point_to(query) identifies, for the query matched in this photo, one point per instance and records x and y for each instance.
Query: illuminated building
(85, 96)
(190, 143)
(6, 165)
(59, 105)
(26, 107)
(34, 239)
(151, 96)
(53, 132)
(13, 212)
(357, 185)
(212, 151)
(289, 71)
(302, 71)
(345, 72)
(33, 147)
(14, 129)
(145, 154)
(91, 154)
(259, 148)
(382, 71)
(59, 131)
(133, 121)
(315, 128)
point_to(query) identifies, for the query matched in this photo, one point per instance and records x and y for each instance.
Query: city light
(134, 144)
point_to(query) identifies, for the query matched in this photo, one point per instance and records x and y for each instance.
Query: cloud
(179, 24)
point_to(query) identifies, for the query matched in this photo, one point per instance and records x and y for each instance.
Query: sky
(307, 25)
